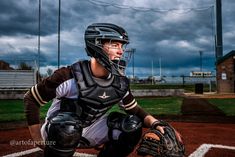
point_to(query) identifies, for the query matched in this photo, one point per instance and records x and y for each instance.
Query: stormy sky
(171, 30)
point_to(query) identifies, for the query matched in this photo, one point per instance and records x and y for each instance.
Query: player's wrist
(155, 124)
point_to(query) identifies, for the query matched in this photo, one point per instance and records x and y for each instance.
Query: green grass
(162, 106)
(13, 110)
(226, 105)
(159, 106)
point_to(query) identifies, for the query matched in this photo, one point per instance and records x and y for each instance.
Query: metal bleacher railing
(17, 79)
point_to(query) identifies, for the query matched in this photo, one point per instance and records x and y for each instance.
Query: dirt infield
(206, 131)
(220, 152)
(195, 134)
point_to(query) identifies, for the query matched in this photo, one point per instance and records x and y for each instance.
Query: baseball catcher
(157, 144)
(81, 95)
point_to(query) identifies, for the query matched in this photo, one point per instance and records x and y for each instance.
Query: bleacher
(17, 79)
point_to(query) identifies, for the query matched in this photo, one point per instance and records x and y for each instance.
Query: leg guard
(131, 131)
(64, 132)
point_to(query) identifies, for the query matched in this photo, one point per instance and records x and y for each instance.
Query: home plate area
(37, 152)
(205, 150)
(213, 150)
(201, 140)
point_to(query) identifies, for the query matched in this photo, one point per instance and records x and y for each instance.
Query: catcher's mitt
(156, 144)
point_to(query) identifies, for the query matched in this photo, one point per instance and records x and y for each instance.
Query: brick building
(5, 66)
(226, 73)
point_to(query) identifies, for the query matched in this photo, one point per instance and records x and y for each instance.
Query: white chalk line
(34, 150)
(204, 148)
(199, 152)
(22, 153)
(76, 154)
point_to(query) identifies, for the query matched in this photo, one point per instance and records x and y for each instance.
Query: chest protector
(96, 96)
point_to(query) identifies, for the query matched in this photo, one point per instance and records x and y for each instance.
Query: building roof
(228, 55)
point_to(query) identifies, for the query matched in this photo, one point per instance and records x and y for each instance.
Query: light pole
(39, 35)
(219, 30)
(152, 72)
(133, 63)
(39, 32)
(59, 34)
(200, 53)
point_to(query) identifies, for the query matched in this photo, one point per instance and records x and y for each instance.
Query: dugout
(225, 75)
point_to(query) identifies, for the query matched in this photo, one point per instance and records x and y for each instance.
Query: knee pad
(64, 131)
(130, 127)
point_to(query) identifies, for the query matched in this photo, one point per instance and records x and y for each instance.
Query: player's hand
(177, 134)
(161, 140)
(160, 128)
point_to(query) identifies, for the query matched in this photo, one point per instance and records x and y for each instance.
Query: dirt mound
(199, 106)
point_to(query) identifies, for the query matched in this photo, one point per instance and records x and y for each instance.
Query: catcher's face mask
(118, 56)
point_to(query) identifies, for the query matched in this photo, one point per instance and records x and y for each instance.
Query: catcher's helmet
(95, 35)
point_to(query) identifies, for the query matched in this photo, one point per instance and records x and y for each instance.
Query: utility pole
(39, 32)
(219, 36)
(59, 35)
(39, 35)
(160, 66)
(200, 52)
(133, 64)
(152, 72)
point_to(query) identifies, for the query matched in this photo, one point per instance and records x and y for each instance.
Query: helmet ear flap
(88, 51)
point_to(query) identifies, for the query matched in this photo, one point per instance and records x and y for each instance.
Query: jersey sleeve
(128, 102)
(42, 93)
(130, 105)
(45, 90)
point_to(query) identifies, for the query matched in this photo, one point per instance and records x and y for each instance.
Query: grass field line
(204, 148)
(34, 150)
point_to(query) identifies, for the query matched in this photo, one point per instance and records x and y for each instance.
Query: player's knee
(64, 133)
(130, 127)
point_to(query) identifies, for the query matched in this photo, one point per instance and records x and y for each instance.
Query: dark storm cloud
(175, 36)
(17, 17)
(21, 17)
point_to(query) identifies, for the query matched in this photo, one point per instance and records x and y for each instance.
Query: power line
(146, 9)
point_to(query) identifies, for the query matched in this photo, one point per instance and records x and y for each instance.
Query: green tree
(24, 66)
(49, 71)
